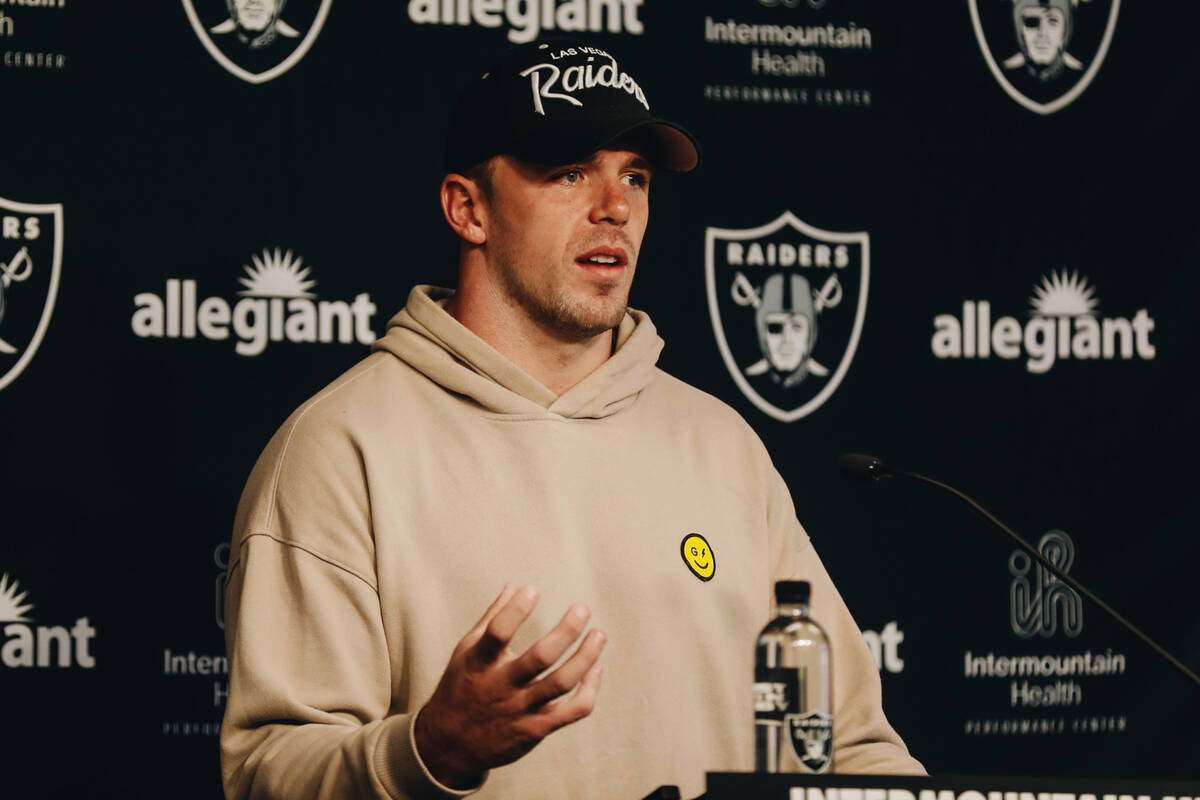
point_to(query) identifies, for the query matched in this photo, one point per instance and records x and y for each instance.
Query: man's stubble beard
(555, 308)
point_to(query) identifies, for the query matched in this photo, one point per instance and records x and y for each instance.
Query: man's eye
(636, 179)
(570, 175)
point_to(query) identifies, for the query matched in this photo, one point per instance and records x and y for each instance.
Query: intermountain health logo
(276, 305)
(29, 645)
(787, 302)
(1062, 324)
(1041, 604)
(221, 558)
(198, 679)
(1057, 691)
(1044, 53)
(31, 35)
(257, 40)
(789, 52)
(31, 238)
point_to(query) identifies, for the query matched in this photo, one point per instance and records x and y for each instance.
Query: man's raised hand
(492, 706)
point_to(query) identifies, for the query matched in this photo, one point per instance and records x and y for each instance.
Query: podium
(763, 786)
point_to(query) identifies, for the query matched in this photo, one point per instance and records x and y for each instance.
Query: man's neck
(555, 362)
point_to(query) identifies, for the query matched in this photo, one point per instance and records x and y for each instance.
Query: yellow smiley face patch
(698, 555)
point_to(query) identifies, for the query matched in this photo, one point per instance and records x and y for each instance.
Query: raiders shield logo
(787, 303)
(257, 40)
(31, 239)
(1044, 52)
(811, 736)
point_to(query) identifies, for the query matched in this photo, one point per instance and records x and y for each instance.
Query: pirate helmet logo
(797, 280)
(1044, 53)
(257, 40)
(811, 738)
(30, 265)
(786, 320)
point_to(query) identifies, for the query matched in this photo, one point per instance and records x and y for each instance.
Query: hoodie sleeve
(863, 740)
(310, 712)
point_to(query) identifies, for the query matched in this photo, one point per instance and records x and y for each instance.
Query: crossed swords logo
(17, 270)
(745, 294)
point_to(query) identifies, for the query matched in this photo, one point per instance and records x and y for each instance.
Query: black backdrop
(126, 446)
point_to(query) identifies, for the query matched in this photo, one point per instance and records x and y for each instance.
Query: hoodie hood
(435, 344)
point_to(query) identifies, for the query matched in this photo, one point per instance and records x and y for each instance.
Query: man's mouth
(603, 257)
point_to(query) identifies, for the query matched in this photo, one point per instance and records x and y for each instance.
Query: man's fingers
(505, 595)
(570, 674)
(550, 648)
(577, 706)
(477, 629)
(502, 626)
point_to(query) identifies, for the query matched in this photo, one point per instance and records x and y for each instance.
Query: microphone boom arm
(876, 470)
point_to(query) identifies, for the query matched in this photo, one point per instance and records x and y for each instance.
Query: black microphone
(862, 467)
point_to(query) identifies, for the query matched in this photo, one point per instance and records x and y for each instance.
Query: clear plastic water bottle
(793, 689)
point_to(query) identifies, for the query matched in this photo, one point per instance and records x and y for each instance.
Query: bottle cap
(792, 592)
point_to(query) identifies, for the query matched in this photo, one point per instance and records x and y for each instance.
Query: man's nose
(610, 204)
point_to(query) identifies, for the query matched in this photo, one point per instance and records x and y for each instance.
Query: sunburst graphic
(11, 609)
(276, 275)
(1060, 295)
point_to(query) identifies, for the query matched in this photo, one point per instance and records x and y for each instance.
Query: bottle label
(811, 736)
(776, 694)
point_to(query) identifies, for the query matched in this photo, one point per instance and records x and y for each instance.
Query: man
(516, 432)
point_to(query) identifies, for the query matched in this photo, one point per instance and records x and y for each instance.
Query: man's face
(1043, 31)
(787, 339)
(255, 15)
(563, 241)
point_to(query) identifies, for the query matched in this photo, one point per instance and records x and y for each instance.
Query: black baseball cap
(559, 101)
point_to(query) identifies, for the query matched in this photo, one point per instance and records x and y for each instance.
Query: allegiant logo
(27, 645)
(1062, 325)
(527, 18)
(275, 306)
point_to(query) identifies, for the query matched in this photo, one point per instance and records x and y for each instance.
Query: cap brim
(677, 150)
(668, 146)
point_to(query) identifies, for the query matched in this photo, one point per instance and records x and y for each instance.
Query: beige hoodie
(389, 510)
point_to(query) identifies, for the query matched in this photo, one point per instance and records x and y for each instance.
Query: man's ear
(465, 207)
